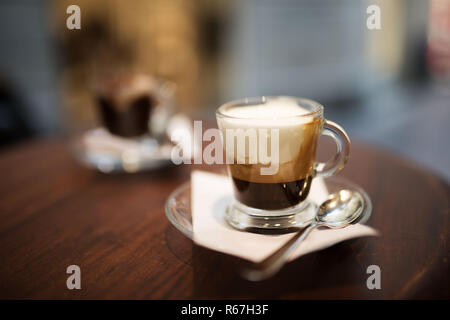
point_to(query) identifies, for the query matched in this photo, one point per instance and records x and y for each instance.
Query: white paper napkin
(210, 195)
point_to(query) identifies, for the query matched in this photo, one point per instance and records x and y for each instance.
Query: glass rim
(262, 99)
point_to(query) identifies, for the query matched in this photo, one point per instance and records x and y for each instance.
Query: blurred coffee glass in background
(381, 85)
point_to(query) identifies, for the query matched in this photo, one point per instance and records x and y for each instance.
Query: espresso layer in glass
(271, 196)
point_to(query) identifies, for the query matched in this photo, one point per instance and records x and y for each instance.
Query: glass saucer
(99, 149)
(178, 205)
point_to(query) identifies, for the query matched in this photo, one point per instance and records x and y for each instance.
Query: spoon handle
(273, 263)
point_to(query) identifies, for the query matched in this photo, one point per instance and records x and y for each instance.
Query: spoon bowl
(340, 209)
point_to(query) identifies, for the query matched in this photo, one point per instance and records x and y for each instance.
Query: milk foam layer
(275, 108)
(297, 129)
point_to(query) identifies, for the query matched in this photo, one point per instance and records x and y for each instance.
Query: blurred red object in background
(438, 51)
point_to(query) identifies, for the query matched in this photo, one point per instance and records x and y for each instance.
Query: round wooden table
(55, 213)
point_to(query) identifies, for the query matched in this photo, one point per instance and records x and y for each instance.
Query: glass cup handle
(336, 163)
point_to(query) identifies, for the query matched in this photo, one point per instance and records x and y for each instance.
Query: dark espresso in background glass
(125, 103)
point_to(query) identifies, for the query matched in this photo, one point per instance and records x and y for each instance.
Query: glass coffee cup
(270, 146)
(134, 109)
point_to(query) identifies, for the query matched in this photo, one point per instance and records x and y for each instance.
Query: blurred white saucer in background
(108, 153)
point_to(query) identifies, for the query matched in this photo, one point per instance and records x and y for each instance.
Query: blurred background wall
(29, 93)
(389, 87)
